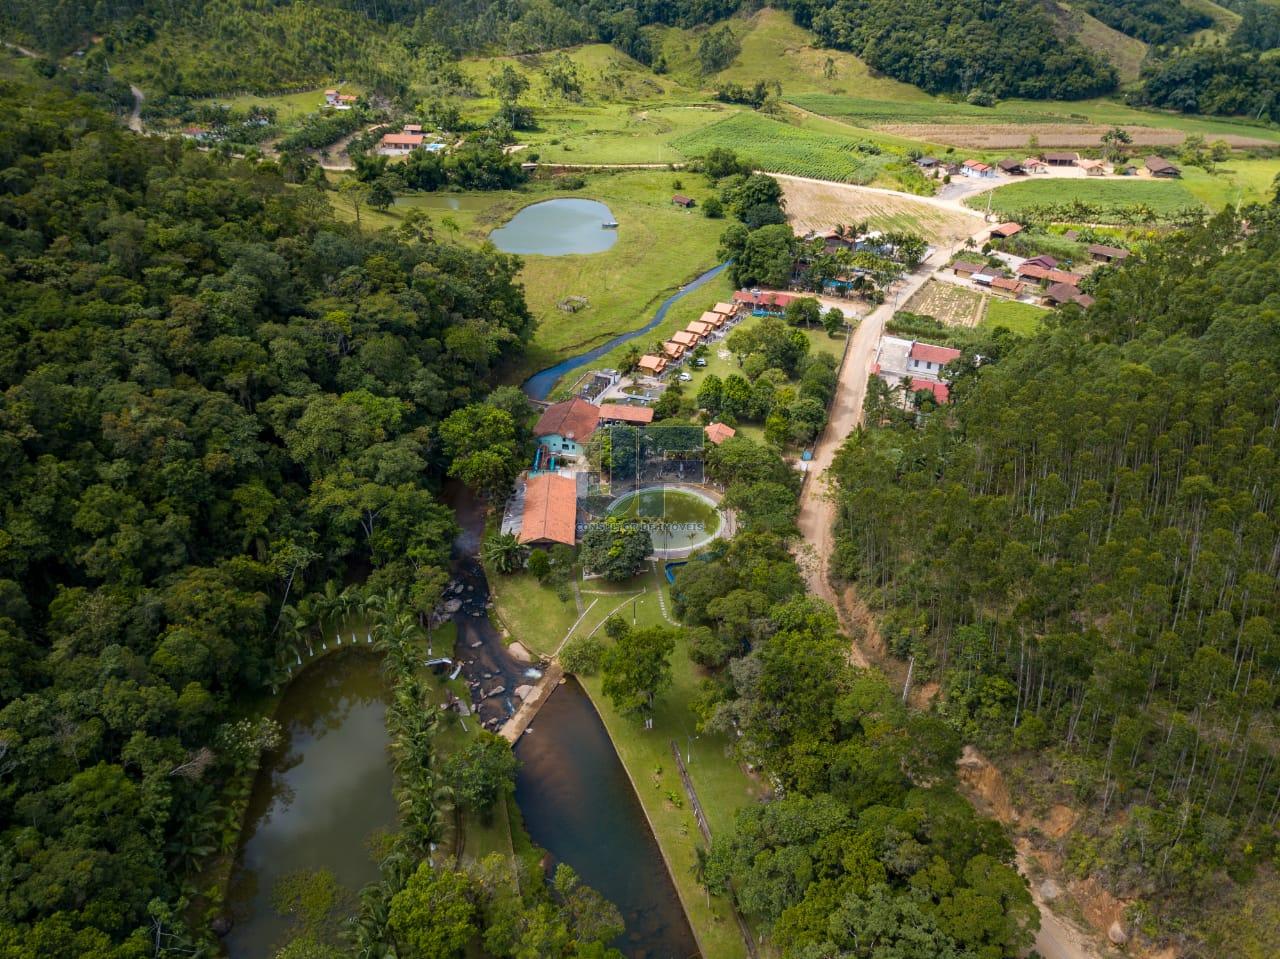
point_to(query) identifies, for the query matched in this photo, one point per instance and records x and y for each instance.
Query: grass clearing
(1021, 318)
(1162, 197)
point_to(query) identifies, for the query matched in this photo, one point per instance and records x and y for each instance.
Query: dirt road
(135, 117)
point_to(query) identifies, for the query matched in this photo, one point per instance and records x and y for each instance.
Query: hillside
(1124, 52)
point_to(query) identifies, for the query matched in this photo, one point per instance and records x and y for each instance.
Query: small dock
(514, 727)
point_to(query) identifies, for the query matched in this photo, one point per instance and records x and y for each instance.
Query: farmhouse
(564, 428)
(927, 360)
(399, 144)
(1034, 165)
(680, 199)
(1041, 259)
(976, 168)
(966, 268)
(717, 433)
(653, 365)
(1059, 293)
(1006, 230)
(1061, 159)
(1159, 166)
(550, 510)
(1032, 271)
(1011, 166)
(1005, 286)
(1065, 276)
(1108, 254)
(1093, 167)
(621, 413)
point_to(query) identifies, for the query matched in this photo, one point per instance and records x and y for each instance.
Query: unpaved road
(135, 117)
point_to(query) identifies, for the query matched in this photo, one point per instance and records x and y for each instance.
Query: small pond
(557, 228)
(677, 519)
(319, 799)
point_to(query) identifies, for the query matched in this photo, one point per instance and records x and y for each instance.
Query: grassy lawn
(1162, 197)
(1021, 318)
(722, 786)
(659, 247)
(288, 106)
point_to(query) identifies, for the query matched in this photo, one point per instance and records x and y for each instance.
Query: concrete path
(514, 727)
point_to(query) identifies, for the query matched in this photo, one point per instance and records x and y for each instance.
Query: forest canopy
(215, 399)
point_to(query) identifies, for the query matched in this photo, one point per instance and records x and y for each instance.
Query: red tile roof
(1032, 270)
(941, 392)
(700, 328)
(718, 432)
(1111, 252)
(965, 266)
(550, 510)
(1007, 229)
(573, 419)
(1005, 283)
(712, 318)
(1062, 293)
(728, 309)
(684, 338)
(933, 354)
(402, 139)
(654, 364)
(1062, 276)
(621, 413)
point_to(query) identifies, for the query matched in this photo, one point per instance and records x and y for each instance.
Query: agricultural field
(948, 303)
(1021, 318)
(820, 206)
(782, 148)
(1011, 123)
(1161, 199)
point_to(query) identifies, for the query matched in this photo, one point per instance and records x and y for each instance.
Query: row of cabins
(1155, 166)
(550, 512)
(709, 326)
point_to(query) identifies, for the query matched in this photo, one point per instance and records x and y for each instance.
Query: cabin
(1065, 276)
(411, 128)
(712, 319)
(927, 360)
(1093, 167)
(717, 433)
(726, 310)
(966, 268)
(1042, 259)
(681, 200)
(652, 365)
(1034, 165)
(550, 511)
(1061, 159)
(1032, 271)
(1011, 167)
(1058, 293)
(399, 144)
(928, 163)
(686, 339)
(1159, 166)
(700, 329)
(1006, 230)
(564, 428)
(976, 168)
(621, 413)
(1107, 254)
(673, 350)
(1006, 286)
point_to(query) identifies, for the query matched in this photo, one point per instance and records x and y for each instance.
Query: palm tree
(502, 552)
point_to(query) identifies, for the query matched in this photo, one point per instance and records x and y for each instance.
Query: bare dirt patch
(820, 206)
(1008, 136)
(948, 303)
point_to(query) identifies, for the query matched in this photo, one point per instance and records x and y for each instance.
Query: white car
(685, 377)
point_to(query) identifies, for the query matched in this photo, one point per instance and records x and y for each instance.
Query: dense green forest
(1085, 551)
(1224, 80)
(867, 849)
(1000, 48)
(218, 405)
(1149, 20)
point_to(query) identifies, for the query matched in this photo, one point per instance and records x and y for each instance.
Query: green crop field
(783, 148)
(1016, 317)
(1160, 197)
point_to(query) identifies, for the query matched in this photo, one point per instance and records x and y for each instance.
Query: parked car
(685, 377)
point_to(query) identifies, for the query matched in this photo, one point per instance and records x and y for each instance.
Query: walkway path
(514, 727)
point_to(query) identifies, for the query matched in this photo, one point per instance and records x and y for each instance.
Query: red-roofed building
(685, 338)
(1006, 286)
(1006, 230)
(1032, 271)
(765, 301)
(621, 413)
(673, 349)
(399, 144)
(680, 199)
(1060, 293)
(941, 392)
(565, 427)
(1062, 276)
(550, 510)
(976, 168)
(653, 365)
(717, 433)
(700, 329)
(1042, 259)
(927, 360)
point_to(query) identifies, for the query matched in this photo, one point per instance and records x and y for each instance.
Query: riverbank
(535, 616)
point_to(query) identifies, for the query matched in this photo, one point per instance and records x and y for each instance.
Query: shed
(680, 199)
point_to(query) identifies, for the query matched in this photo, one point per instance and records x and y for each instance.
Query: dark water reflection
(578, 804)
(318, 799)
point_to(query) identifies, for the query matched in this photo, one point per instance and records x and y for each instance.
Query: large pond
(319, 799)
(678, 520)
(579, 805)
(557, 228)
